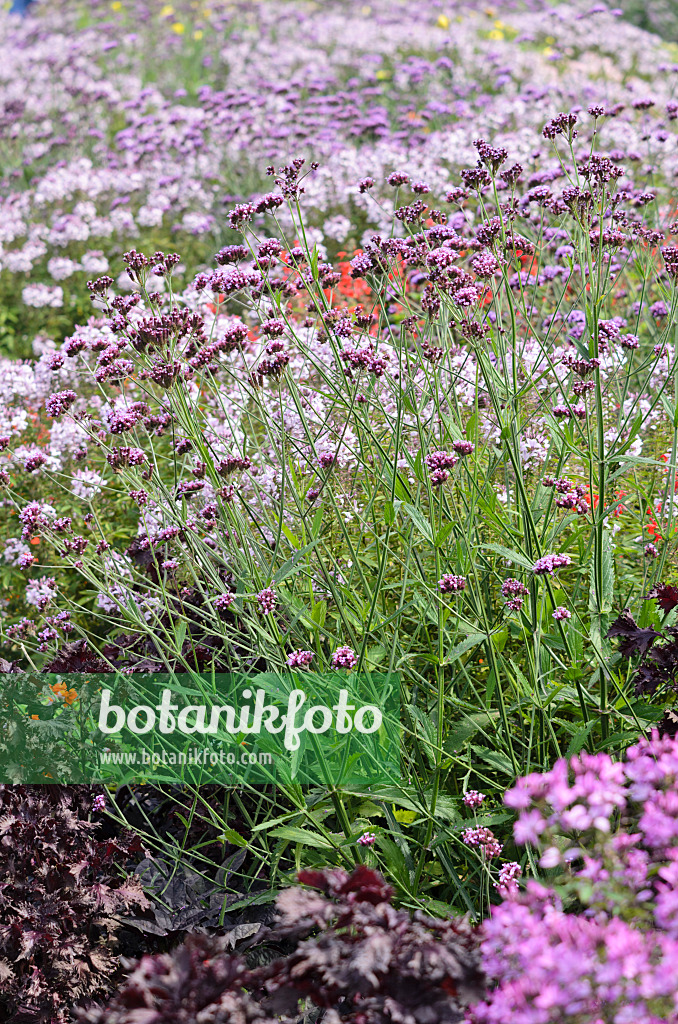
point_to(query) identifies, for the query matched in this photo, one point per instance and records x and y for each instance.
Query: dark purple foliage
(658, 667)
(60, 889)
(356, 957)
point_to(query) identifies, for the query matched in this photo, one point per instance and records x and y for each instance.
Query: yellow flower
(198, 34)
(548, 51)
(495, 34)
(443, 21)
(365, 10)
(499, 24)
(404, 817)
(550, 39)
(116, 5)
(383, 74)
(166, 11)
(179, 28)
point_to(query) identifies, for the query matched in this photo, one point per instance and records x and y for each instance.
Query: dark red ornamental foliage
(60, 889)
(356, 958)
(658, 651)
(197, 981)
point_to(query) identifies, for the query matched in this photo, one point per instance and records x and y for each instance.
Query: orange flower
(61, 690)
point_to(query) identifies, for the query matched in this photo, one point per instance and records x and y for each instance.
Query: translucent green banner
(305, 728)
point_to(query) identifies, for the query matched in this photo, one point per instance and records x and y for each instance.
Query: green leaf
(462, 731)
(292, 563)
(420, 521)
(508, 553)
(499, 639)
(317, 521)
(180, 634)
(319, 612)
(472, 640)
(670, 410)
(302, 835)
(580, 737)
(229, 835)
(292, 538)
(497, 759)
(443, 534)
(446, 808)
(256, 900)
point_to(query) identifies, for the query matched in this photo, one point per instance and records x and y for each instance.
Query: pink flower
(546, 565)
(300, 659)
(528, 827)
(266, 599)
(344, 657)
(449, 584)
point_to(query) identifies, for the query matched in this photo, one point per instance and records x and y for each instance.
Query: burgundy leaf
(665, 595)
(633, 639)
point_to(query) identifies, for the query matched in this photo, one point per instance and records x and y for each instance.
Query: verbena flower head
(548, 564)
(344, 657)
(222, 602)
(484, 839)
(451, 584)
(513, 587)
(300, 659)
(60, 402)
(266, 599)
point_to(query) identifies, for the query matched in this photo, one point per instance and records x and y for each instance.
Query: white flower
(86, 483)
(14, 549)
(59, 267)
(39, 295)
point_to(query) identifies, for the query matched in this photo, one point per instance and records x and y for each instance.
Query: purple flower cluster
(33, 517)
(514, 591)
(569, 495)
(300, 659)
(125, 456)
(344, 657)
(60, 402)
(450, 584)
(222, 602)
(548, 564)
(551, 967)
(484, 838)
(439, 463)
(266, 599)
